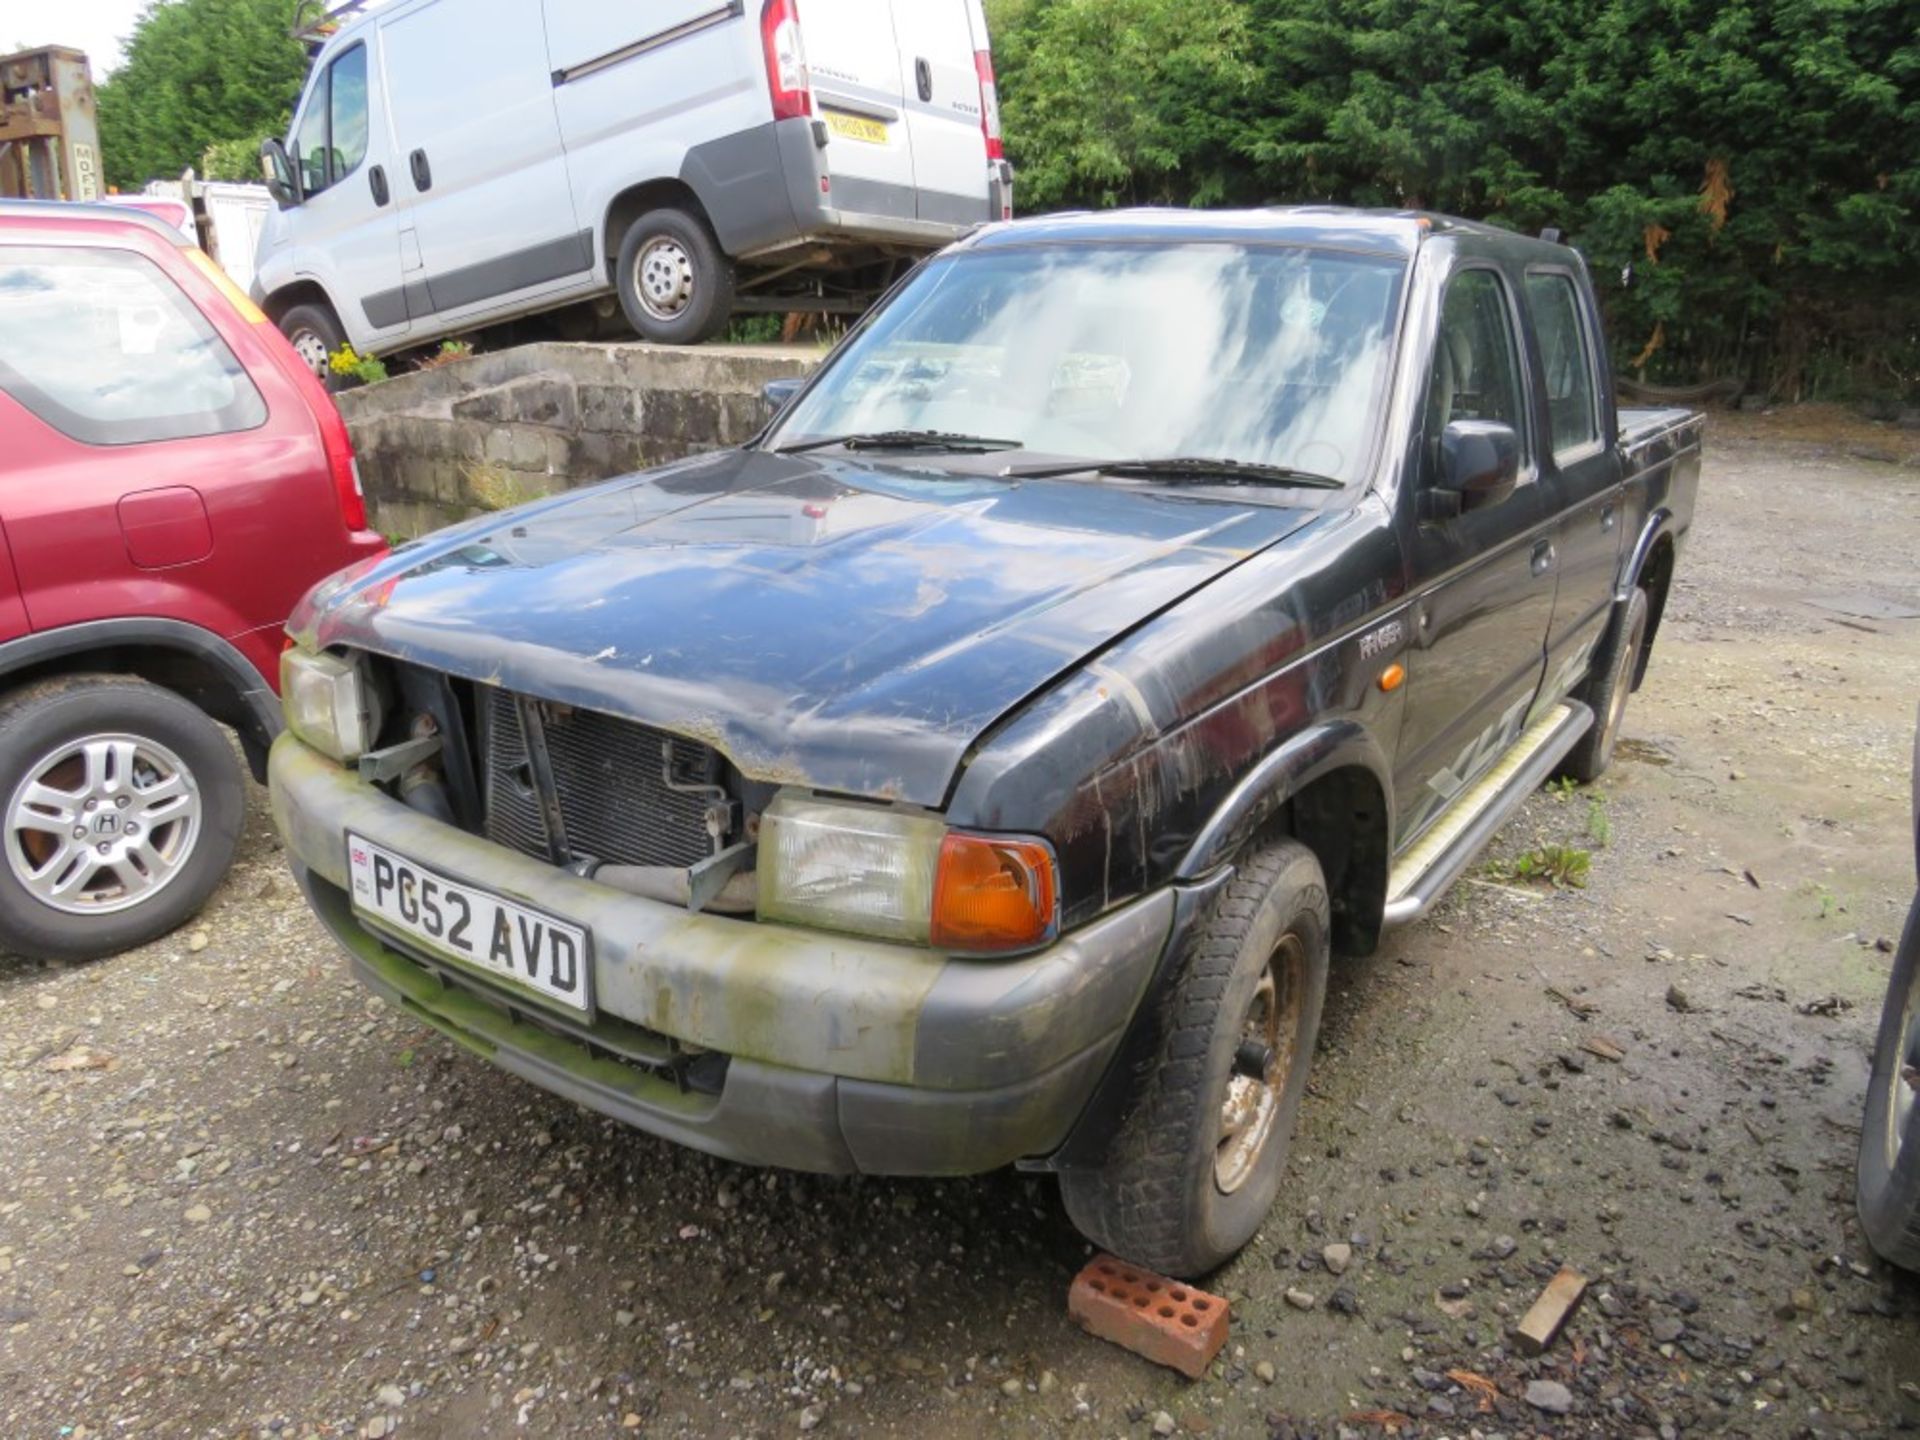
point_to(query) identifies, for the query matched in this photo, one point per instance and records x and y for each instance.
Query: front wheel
(1889, 1170)
(123, 808)
(1193, 1168)
(314, 334)
(675, 283)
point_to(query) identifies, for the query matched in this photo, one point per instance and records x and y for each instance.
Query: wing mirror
(277, 168)
(1479, 466)
(778, 392)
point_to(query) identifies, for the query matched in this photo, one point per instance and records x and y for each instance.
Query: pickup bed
(983, 765)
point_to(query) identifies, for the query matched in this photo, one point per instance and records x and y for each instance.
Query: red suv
(172, 479)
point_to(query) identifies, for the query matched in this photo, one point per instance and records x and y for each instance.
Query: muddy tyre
(123, 808)
(675, 283)
(1193, 1168)
(1607, 691)
(314, 334)
(1889, 1170)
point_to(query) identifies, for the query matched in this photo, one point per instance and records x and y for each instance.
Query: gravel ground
(241, 1197)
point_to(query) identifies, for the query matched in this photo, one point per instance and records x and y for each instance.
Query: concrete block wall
(493, 431)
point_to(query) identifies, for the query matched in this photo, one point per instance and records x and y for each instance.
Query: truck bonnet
(854, 625)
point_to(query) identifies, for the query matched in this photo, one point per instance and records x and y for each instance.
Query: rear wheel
(123, 807)
(1192, 1170)
(314, 334)
(675, 284)
(1607, 692)
(1889, 1171)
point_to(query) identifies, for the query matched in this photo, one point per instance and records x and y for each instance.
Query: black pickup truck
(982, 765)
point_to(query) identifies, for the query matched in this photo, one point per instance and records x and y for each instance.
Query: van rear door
(854, 58)
(943, 109)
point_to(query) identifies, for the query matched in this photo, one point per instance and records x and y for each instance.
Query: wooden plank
(1537, 1329)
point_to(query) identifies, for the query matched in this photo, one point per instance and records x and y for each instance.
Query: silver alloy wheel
(663, 277)
(102, 824)
(1270, 1027)
(311, 348)
(1906, 1077)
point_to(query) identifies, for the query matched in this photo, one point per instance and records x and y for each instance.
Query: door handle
(1543, 557)
(923, 79)
(377, 182)
(1609, 517)
(422, 172)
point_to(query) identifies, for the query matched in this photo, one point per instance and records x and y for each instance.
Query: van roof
(1386, 232)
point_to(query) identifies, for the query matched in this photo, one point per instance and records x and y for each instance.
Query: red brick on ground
(1165, 1321)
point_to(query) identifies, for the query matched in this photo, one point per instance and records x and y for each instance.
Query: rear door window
(1567, 359)
(102, 346)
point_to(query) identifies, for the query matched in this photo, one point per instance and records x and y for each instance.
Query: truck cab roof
(1386, 232)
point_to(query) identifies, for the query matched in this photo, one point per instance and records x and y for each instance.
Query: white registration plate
(473, 926)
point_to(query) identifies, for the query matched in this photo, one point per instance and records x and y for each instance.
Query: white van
(454, 163)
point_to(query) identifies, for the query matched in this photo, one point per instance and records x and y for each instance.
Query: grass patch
(1561, 866)
(1599, 826)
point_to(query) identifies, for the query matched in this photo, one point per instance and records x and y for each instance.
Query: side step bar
(1434, 861)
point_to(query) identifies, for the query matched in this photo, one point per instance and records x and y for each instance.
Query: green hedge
(1755, 165)
(199, 74)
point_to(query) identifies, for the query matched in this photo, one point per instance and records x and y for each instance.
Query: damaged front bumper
(813, 1051)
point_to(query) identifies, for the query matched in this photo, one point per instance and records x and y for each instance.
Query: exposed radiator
(611, 779)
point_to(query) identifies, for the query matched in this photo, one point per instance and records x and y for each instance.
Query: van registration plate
(477, 928)
(857, 127)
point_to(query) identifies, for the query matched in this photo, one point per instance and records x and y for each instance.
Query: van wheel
(314, 334)
(675, 284)
(1889, 1171)
(1193, 1168)
(123, 808)
(1607, 690)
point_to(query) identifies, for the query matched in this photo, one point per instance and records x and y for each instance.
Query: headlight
(331, 703)
(901, 875)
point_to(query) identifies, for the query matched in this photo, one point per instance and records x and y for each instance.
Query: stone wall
(482, 434)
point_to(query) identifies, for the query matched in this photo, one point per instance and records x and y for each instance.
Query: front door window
(332, 138)
(1476, 366)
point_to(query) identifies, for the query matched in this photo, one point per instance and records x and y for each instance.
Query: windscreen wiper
(903, 440)
(1183, 469)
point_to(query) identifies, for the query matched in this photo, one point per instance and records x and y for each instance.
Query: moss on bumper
(789, 997)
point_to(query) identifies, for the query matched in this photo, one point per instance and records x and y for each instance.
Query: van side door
(1482, 579)
(670, 88)
(477, 145)
(347, 226)
(1580, 476)
(943, 110)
